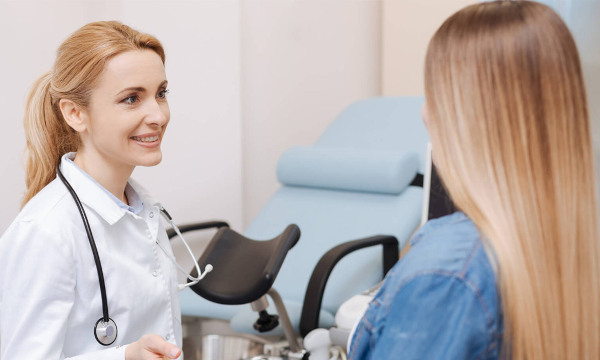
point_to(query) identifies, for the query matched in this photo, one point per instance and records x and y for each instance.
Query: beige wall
(303, 61)
(407, 27)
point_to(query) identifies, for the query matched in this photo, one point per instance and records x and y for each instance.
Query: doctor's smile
(147, 140)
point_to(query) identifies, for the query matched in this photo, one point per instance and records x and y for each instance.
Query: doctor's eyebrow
(140, 88)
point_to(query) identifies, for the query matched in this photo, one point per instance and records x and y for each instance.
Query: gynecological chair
(356, 187)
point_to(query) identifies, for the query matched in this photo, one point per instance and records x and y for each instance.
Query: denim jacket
(440, 301)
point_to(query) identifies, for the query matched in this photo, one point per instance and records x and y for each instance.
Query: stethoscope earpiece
(105, 332)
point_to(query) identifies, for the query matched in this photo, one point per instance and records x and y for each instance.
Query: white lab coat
(49, 293)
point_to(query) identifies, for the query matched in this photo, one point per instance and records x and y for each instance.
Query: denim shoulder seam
(463, 272)
(468, 284)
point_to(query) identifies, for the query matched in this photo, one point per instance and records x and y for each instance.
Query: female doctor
(97, 114)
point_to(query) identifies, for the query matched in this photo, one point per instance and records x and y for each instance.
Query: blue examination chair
(356, 187)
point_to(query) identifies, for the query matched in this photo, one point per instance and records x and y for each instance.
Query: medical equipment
(105, 329)
(354, 182)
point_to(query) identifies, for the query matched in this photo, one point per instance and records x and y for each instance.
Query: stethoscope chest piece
(105, 332)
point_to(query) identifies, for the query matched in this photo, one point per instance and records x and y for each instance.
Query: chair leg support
(285, 321)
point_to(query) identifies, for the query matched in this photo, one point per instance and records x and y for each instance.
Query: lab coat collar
(91, 194)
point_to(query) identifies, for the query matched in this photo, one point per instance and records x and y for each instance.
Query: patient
(515, 273)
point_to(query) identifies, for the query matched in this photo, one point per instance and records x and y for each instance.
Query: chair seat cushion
(195, 305)
(244, 320)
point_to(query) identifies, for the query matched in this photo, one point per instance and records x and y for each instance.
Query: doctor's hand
(151, 347)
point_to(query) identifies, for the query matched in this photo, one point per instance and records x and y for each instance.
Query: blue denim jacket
(439, 301)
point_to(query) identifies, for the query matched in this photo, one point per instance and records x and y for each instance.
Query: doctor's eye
(163, 94)
(130, 100)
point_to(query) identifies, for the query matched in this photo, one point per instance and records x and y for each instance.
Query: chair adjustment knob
(266, 322)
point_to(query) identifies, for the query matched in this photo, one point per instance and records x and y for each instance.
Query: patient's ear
(73, 114)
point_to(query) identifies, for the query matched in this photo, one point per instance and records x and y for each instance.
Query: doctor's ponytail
(48, 137)
(79, 63)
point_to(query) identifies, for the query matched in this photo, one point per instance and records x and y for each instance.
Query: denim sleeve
(433, 315)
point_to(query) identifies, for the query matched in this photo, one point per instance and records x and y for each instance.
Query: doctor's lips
(146, 137)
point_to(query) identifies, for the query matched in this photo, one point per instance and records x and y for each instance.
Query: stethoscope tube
(191, 280)
(105, 317)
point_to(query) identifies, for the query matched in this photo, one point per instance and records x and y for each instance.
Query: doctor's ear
(73, 114)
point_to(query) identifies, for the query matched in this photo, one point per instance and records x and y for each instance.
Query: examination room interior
(248, 80)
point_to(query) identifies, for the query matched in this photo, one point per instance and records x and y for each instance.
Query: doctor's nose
(157, 113)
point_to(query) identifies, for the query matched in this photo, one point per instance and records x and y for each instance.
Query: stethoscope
(105, 330)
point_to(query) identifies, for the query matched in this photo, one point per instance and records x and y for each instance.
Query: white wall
(303, 61)
(200, 176)
(248, 79)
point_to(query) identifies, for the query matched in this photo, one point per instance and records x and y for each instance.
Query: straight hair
(510, 130)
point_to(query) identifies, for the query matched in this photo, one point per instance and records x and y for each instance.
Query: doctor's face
(128, 113)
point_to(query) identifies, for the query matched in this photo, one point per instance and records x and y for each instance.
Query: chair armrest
(217, 224)
(316, 285)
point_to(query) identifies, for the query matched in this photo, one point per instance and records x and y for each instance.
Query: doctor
(100, 112)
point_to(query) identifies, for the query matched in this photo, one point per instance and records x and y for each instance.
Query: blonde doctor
(96, 115)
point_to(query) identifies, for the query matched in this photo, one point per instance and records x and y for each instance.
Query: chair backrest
(383, 123)
(376, 134)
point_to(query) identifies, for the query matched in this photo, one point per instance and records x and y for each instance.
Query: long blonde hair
(511, 135)
(79, 62)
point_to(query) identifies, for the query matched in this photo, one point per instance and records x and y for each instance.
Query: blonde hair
(510, 129)
(79, 62)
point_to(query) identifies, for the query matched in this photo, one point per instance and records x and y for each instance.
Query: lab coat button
(151, 214)
(155, 274)
(167, 337)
